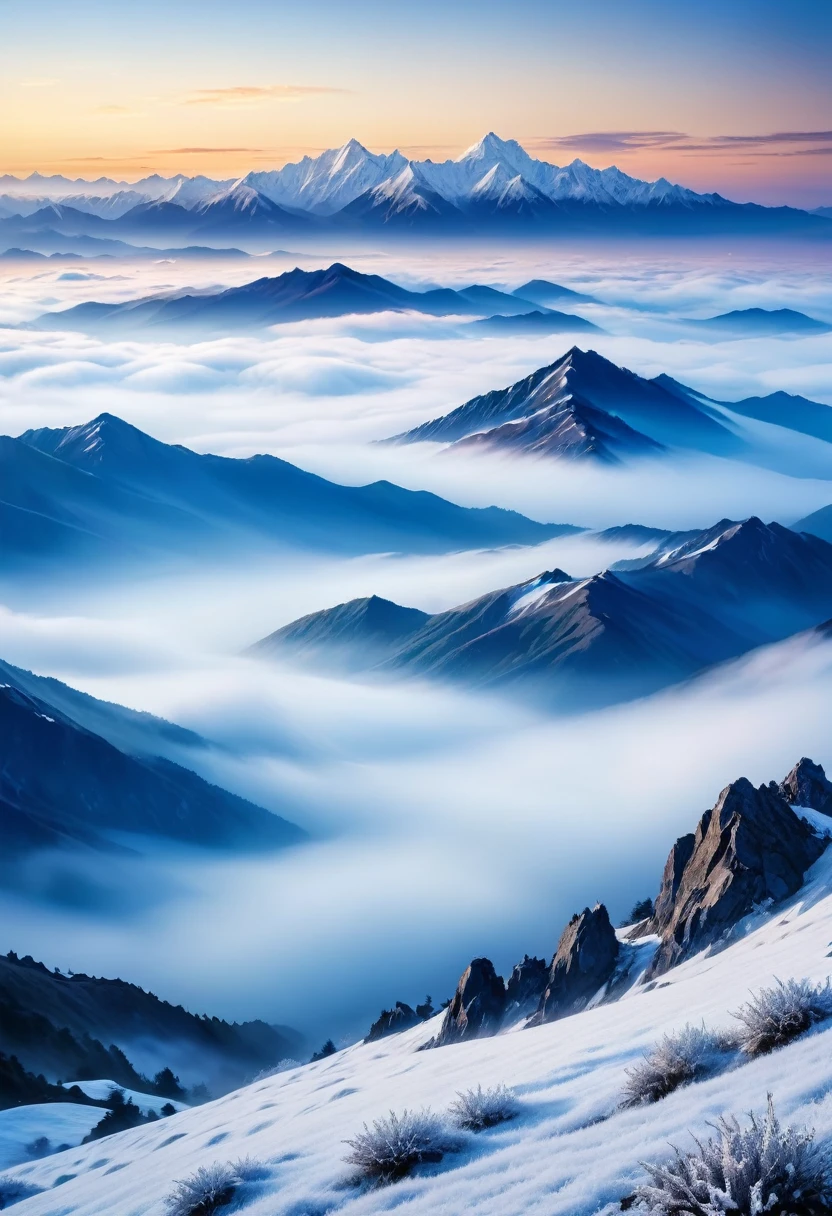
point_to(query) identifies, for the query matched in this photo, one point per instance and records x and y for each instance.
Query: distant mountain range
(584, 406)
(762, 323)
(92, 791)
(699, 600)
(105, 492)
(493, 186)
(300, 295)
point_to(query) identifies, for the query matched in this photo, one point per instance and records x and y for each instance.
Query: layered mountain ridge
(493, 182)
(105, 491)
(698, 601)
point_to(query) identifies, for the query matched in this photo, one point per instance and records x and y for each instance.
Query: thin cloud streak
(252, 94)
(678, 141)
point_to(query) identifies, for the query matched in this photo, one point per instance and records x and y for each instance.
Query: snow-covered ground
(571, 1151)
(61, 1123)
(145, 1102)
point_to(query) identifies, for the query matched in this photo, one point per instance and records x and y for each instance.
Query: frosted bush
(687, 1055)
(13, 1190)
(479, 1108)
(394, 1146)
(775, 1016)
(763, 1168)
(212, 1187)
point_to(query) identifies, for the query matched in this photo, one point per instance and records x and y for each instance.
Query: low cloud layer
(445, 825)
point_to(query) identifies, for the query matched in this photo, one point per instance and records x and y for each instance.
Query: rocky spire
(583, 963)
(808, 785)
(477, 1007)
(750, 848)
(525, 987)
(391, 1021)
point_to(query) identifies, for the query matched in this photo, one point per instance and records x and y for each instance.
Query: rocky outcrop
(477, 1007)
(808, 785)
(525, 987)
(391, 1021)
(583, 963)
(750, 848)
(674, 868)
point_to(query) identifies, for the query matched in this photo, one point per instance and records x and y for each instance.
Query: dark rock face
(391, 1021)
(525, 987)
(477, 1007)
(751, 847)
(583, 963)
(674, 868)
(808, 785)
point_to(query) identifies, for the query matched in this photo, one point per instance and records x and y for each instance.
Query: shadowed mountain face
(297, 295)
(46, 1018)
(90, 789)
(546, 294)
(700, 601)
(761, 323)
(780, 409)
(572, 428)
(359, 632)
(107, 491)
(634, 415)
(536, 322)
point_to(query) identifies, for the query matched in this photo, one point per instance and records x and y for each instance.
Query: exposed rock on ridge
(750, 848)
(477, 1007)
(391, 1021)
(808, 785)
(583, 963)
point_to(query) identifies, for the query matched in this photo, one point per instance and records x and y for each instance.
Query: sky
(735, 98)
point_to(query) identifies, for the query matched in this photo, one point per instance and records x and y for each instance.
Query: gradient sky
(732, 95)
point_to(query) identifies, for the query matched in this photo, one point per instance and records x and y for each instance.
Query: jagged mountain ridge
(495, 180)
(296, 295)
(638, 415)
(106, 491)
(701, 600)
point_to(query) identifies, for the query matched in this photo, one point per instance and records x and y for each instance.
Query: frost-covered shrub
(775, 1016)
(679, 1058)
(764, 1168)
(479, 1108)
(249, 1169)
(394, 1146)
(13, 1190)
(212, 1187)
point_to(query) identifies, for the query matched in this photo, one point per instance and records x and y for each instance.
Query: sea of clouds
(444, 824)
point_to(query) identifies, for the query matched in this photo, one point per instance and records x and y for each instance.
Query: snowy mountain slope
(60, 1123)
(325, 184)
(646, 406)
(101, 1089)
(700, 600)
(570, 1152)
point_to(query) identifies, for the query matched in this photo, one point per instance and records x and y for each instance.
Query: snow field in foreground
(570, 1152)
